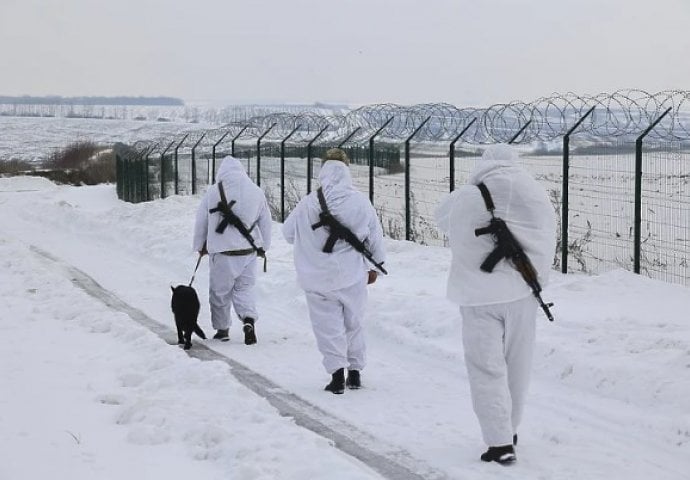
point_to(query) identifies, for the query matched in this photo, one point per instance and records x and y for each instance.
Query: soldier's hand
(373, 275)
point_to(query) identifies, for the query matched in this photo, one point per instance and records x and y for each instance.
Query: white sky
(355, 51)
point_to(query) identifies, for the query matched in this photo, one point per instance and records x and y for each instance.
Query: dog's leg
(180, 335)
(187, 339)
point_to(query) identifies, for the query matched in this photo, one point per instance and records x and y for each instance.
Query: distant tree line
(58, 100)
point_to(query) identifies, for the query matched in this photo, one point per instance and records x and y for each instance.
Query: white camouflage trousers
(336, 318)
(499, 343)
(231, 284)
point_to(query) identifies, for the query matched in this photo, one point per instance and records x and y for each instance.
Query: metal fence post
(232, 143)
(564, 194)
(148, 167)
(120, 185)
(163, 168)
(408, 212)
(347, 139)
(282, 172)
(258, 154)
(177, 175)
(138, 162)
(310, 167)
(213, 155)
(371, 159)
(638, 191)
(194, 163)
(138, 174)
(126, 186)
(451, 154)
(141, 175)
(519, 132)
(145, 154)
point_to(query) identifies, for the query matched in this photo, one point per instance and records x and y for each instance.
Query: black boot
(249, 332)
(353, 381)
(505, 455)
(222, 335)
(337, 384)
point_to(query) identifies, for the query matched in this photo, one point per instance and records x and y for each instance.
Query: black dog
(185, 307)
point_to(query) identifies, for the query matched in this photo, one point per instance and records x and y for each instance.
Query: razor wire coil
(622, 114)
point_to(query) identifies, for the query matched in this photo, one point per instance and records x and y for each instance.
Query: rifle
(508, 247)
(228, 217)
(338, 231)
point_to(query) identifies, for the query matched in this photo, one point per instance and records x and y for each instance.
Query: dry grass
(81, 163)
(14, 167)
(73, 157)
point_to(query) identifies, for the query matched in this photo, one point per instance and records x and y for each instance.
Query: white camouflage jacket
(319, 271)
(525, 207)
(251, 207)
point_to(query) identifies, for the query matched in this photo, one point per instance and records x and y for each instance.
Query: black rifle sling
(488, 201)
(499, 252)
(325, 216)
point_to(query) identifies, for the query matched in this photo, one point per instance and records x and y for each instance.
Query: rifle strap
(222, 205)
(322, 200)
(497, 254)
(221, 191)
(324, 210)
(486, 195)
(333, 235)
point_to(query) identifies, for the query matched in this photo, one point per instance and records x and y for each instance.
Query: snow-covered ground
(88, 393)
(35, 139)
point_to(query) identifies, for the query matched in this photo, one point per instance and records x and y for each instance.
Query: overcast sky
(465, 52)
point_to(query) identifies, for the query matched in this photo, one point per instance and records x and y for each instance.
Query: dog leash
(195, 269)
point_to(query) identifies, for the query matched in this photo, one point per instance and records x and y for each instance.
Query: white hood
(494, 157)
(336, 183)
(232, 174)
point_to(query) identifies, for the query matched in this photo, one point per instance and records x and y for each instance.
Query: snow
(87, 392)
(35, 139)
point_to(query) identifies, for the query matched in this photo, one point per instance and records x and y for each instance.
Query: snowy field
(89, 393)
(35, 139)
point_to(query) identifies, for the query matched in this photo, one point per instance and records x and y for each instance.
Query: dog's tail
(199, 331)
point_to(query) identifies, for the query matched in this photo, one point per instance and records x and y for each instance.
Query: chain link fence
(616, 168)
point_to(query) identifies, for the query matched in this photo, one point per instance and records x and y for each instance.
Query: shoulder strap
(325, 214)
(334, 229)
(488, 201)
(221, 190)
(322, 200)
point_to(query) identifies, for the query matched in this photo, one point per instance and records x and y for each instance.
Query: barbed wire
(622, 114)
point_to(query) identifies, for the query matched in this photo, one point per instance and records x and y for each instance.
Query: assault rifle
(508, 247)
(338, 231)
(228, 217)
